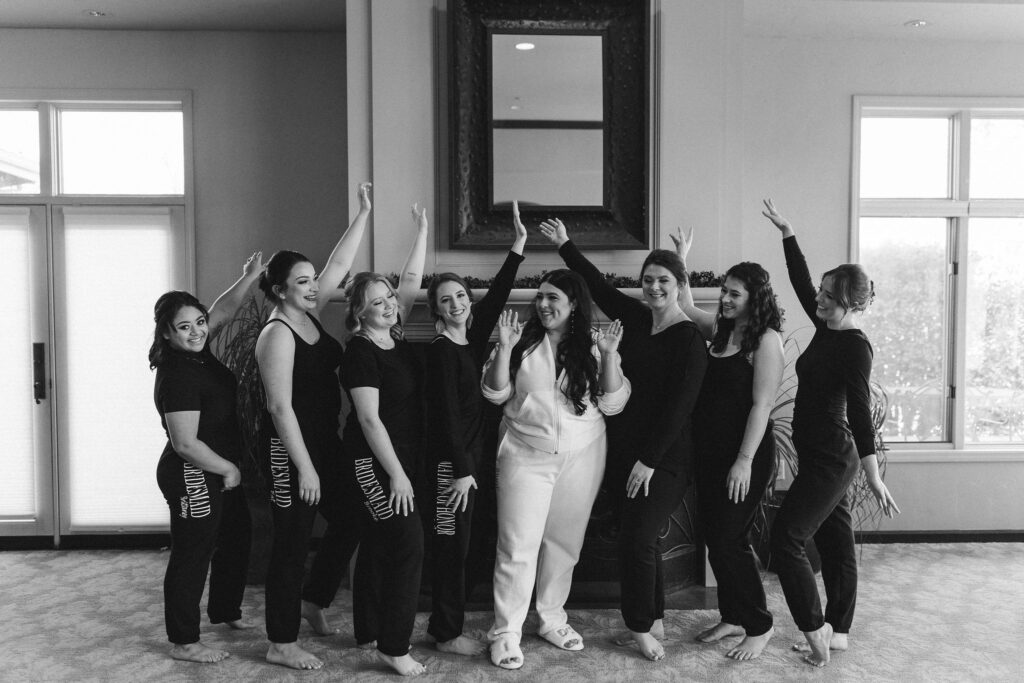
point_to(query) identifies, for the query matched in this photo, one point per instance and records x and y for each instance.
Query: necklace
(303, 322)
(382, 340)
(669, 319)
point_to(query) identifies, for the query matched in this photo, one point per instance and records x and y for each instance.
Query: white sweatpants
(544, 504)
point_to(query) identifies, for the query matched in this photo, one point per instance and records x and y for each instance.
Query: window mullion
(958, 343)
(47, 150)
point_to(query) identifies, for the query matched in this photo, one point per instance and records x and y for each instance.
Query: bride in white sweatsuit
(557, 380)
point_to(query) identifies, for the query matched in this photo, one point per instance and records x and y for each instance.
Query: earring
(572, 319)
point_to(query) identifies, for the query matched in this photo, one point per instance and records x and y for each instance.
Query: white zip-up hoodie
(538, 413)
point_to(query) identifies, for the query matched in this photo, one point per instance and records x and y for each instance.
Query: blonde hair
(358, 303)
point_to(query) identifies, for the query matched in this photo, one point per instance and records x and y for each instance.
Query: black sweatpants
(643, 518)
(345, 528)
(210, 532)
(726, 526)
(387, 579)
(451, 536)
(818, 505)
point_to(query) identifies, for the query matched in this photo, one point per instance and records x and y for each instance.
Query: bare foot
(197, 652)
(819, 642)
(649, 646)
(751, 646)
(369, 645)
(626, 637)
(462, 645)
(405, 665)
(242, 624)
(292, 656)
(839, 643)
(314, 614)
(719, 631)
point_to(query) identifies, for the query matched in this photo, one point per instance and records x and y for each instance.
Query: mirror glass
(547, 94)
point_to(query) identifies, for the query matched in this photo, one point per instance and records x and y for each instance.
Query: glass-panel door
(111, 264)
(26, 487)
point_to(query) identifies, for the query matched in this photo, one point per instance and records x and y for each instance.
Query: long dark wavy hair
(764, 309)
(574, 348)
(166, 307)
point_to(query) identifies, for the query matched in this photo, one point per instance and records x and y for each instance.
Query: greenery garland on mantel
(698, 278)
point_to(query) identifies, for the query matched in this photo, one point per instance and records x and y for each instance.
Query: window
(938, 195)
(94, 209)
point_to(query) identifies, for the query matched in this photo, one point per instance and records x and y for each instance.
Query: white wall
(269, 126)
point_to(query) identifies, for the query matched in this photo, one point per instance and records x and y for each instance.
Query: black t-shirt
(396, 374)
(199, 382)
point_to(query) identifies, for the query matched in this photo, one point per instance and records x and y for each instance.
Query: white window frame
(49, 103)
(958, 208)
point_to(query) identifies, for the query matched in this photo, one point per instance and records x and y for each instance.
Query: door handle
(39, 372)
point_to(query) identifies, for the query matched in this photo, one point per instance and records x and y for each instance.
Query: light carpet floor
(927, 612)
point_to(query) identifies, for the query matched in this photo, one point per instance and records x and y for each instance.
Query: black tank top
(316, 393)
(726, 398)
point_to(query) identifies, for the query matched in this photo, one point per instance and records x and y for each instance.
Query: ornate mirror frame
(622, 221)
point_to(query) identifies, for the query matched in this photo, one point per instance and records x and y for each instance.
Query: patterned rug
(926, 612)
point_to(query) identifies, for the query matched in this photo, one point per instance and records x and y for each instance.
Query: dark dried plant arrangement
(235, 346)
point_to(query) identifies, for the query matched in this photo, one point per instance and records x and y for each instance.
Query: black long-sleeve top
(455, 408)
(665, 369)
(833, 396)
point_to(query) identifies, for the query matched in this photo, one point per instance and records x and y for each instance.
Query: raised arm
(705, 319)
(275, 355)
(615, 387)
(495, 385)
(611, 301)
(340, 261)
(487, 310)
(769, 362)
(223, 309)
(796, 264)
(411, 279)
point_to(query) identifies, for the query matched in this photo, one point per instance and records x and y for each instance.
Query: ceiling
(980, 20)
(188, 15)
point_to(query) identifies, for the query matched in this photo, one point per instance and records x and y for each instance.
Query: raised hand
(419, 216)
(253, 265)
(521, 235)
(554, 231)
(772, 214)
(608, 341)
(364, 196)
(509, 328)
(683, 241)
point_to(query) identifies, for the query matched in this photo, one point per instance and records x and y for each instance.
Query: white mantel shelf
(420, 326)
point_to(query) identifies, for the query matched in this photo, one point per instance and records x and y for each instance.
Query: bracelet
(745, 456)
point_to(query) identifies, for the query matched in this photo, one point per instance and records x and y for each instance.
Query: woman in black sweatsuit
(198, 470)
(834, 437)
(455, 426)
(298, 364)
(383, 449)
(650, 443)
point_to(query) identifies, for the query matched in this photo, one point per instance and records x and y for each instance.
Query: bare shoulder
(274, 339)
